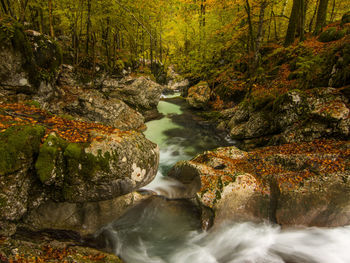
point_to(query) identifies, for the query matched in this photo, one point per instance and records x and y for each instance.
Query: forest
(174, 131)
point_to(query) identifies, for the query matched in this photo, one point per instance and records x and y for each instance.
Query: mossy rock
(18, 145)
(331, 34)
(50, 164)
(346, 18)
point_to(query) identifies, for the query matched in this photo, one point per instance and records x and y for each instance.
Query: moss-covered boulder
(115, 165)
(19, 147)
(294, 184)
(345, 18)
(332, 34)
(295, 116)
(29, 62)
(199, 95)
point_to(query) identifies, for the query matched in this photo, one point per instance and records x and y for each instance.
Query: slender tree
(321, 16)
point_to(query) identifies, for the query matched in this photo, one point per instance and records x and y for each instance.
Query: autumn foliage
(71, 130)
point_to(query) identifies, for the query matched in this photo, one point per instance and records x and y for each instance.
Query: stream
(166, 230)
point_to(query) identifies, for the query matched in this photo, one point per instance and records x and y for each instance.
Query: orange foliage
(70, 130)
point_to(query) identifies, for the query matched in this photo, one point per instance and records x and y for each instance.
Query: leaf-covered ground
(19, 251)
(71, 130)
(290, 164)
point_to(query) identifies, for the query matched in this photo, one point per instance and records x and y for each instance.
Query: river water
(165, 230)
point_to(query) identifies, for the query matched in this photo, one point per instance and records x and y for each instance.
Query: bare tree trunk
(293, 23)
(251, 46)
(88, 24)
(259, 36)
(313, 17)
(333, 9)
(321, 16)
(52, 33)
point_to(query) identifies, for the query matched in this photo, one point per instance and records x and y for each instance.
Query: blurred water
(179, 137)
(160, 230)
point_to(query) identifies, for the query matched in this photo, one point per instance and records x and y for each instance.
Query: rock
(84, 218)
(140, 93)
(345, 18)
(116, 165)
(294, 184)
(18, 147)
(296, 116)
(48, 250)
(331, 34)
(91, 105)
(199, 95)
(29, 63)
(111, 166)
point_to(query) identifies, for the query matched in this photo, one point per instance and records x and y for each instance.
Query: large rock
(112, 165)
(18, 148)
(29, 63)
(296, 184)
(296, 116)
(91, 105)
(84, 218)
(199, 95)
(141, 93)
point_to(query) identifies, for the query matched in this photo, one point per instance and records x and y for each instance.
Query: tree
(321, 16)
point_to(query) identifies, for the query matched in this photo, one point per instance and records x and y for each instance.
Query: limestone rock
(297, 184)
(141, 93)
(199, 95)
(84, 218)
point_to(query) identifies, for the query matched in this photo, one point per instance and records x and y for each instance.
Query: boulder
(302, 184)
(295, 116)
(29, 62)
(112, 165)
(199, 95)
(141, 93)
(18, 148)
(85, 218)
(331, 34)
(91, 105)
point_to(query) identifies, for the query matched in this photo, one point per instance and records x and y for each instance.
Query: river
(167, 230)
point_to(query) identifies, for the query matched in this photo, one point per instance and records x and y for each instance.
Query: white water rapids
(159, 231)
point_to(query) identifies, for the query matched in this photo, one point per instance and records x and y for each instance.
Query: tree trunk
(251, 46)
(313, 17)
(88, 23)
(259, 35)
(293, 23)
(52, 33)
(321, 16)
(333, 9)
(301, 28)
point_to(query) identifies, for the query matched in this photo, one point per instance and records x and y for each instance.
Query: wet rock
(295, 184)
(199, 95)
(84, 218)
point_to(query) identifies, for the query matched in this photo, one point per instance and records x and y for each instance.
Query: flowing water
(161, 230)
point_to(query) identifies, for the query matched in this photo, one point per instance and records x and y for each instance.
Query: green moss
(50, 161)
(331, 34)
(17, 144)
(33, 103)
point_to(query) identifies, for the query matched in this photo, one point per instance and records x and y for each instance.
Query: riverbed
(164, 229)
